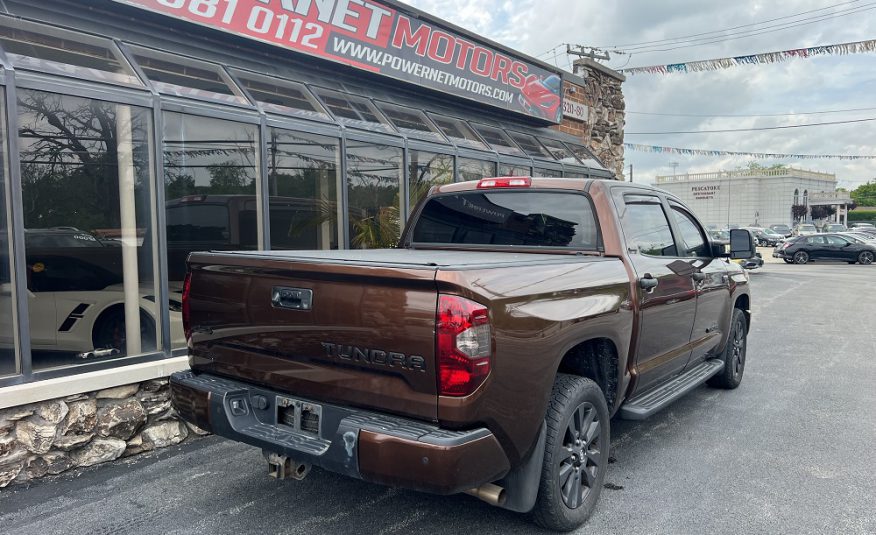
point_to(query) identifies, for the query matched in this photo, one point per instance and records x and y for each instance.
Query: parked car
(862, 226)
(765, 237)
(804, 229)
(833, 227)
(479, 356)
(861, 236)
(784, 230)
(825, 247)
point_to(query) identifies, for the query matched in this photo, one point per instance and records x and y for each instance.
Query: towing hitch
(282, 467)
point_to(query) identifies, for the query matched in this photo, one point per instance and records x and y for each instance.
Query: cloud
(827, 83)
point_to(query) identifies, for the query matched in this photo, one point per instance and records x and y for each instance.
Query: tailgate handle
(291, 298)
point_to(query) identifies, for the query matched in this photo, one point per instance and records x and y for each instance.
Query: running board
(648, 403)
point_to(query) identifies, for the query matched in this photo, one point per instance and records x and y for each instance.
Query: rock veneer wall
(53, 436)
(598, 88)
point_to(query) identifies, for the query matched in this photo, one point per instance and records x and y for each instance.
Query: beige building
(760, 197)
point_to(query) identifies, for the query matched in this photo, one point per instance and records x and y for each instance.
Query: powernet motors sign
(377, 38)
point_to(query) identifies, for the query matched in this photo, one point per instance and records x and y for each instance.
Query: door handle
(698, 276)
(648, 282)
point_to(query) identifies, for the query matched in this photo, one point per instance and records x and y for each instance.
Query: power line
(748, 129)
(731, 28)
(749, 115)
(751, 33)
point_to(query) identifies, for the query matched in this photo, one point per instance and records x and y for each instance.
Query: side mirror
(741, 244)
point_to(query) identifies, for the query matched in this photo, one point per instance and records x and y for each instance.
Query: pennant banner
(770, 155)
(857, 47)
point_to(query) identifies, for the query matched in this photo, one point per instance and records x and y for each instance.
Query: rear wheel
(734, 354)
(576, 454)
(110, 333)
(801, 257)
(866, 257)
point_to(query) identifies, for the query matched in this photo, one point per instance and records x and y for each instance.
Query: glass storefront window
(458, 132)
(530, 145)
(585, 156)
(86, 176)
(8, 363)
(374, 174)
(184, 77)
(498, 139)
(410, 121)
(559, 150)
(471, 169)
(427, 169)
(352, 110)
(547, 173)
(281, 96)
(513, 170)
(303, 178)
(210, 170)
(52, 50)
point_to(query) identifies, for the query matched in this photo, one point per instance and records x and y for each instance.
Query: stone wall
(599, 88)
(53, 436)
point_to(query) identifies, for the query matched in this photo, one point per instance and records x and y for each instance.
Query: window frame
(676, 206)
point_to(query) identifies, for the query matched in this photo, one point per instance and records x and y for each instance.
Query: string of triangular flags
(770, 155)
(857, 47)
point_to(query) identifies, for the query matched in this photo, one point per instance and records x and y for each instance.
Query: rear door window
(509, 218)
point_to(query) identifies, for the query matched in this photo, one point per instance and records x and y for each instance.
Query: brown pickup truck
(487, 354)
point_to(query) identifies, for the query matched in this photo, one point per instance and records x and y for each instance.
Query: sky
(828, 83)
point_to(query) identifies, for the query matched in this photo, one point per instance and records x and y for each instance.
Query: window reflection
(547, 173)
(281, 96)
(427, 169)
(303, 177)
(373, 174)
(470, 169)
(513, 170)
(209, 179)
(8, 364)
(184, 77)
(86, 186)
(458, 132)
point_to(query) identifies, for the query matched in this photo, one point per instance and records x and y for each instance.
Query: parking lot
(790, 451)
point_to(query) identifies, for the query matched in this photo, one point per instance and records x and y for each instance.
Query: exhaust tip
(490, 493)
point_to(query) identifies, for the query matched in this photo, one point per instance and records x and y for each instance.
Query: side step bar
(646, 404)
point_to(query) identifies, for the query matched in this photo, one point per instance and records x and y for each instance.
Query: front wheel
(801, 257)
(866, 257)
(734, 354)
(575, 456)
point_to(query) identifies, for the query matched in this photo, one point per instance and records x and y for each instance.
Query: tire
(734, 354)
(801, 257)
(865, 258)
(109, 331)
(577, 411)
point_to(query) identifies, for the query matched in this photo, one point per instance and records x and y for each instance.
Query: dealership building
(751, 197)
(137, 131)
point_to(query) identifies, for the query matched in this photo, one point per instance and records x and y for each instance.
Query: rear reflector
(505, 182)
(464, 341)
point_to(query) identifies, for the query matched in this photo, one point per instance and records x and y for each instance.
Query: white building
(760, 197)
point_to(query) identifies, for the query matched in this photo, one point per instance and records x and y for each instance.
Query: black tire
(734, 354)
(581, 459)
(865, 258)
(801, 257)
(109, 331)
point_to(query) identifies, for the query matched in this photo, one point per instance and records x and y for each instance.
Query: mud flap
(521, 484)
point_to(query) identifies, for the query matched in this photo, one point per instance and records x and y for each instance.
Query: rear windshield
(508, 218)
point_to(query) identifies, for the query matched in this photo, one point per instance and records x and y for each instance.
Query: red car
(541, 97)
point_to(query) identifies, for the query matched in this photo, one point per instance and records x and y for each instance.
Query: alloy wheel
(801, 257)
(866, 257)
(580, 465)
(737, 355)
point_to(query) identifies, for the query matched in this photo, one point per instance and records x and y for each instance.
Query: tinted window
(427, 169)
(647, 229)
(198, 223)
(458, 132)
(184, 77)
(815, 240)
(281, 96)
(692, 238)
(374, 174)
(836, 241)
(470, 169)
(508, 218)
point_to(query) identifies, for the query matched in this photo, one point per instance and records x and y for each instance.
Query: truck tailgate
(367, 338)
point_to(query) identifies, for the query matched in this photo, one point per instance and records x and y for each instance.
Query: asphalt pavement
(791, 451)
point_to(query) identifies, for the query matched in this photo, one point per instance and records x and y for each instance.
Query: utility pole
(631, 172)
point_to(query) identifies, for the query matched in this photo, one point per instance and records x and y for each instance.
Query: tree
(798, 211)
(865, 194)
(822, 212)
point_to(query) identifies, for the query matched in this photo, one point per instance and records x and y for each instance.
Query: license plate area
(302, 416)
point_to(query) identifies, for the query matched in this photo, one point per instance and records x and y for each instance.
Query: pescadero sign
(377, 38)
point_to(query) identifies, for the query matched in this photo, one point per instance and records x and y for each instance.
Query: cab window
(646, 227)
(693, 241)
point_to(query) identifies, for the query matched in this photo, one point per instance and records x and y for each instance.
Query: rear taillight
(186, 307)
(464, 341)
(785, 245)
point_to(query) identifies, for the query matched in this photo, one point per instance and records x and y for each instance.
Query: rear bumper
(375, 447)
